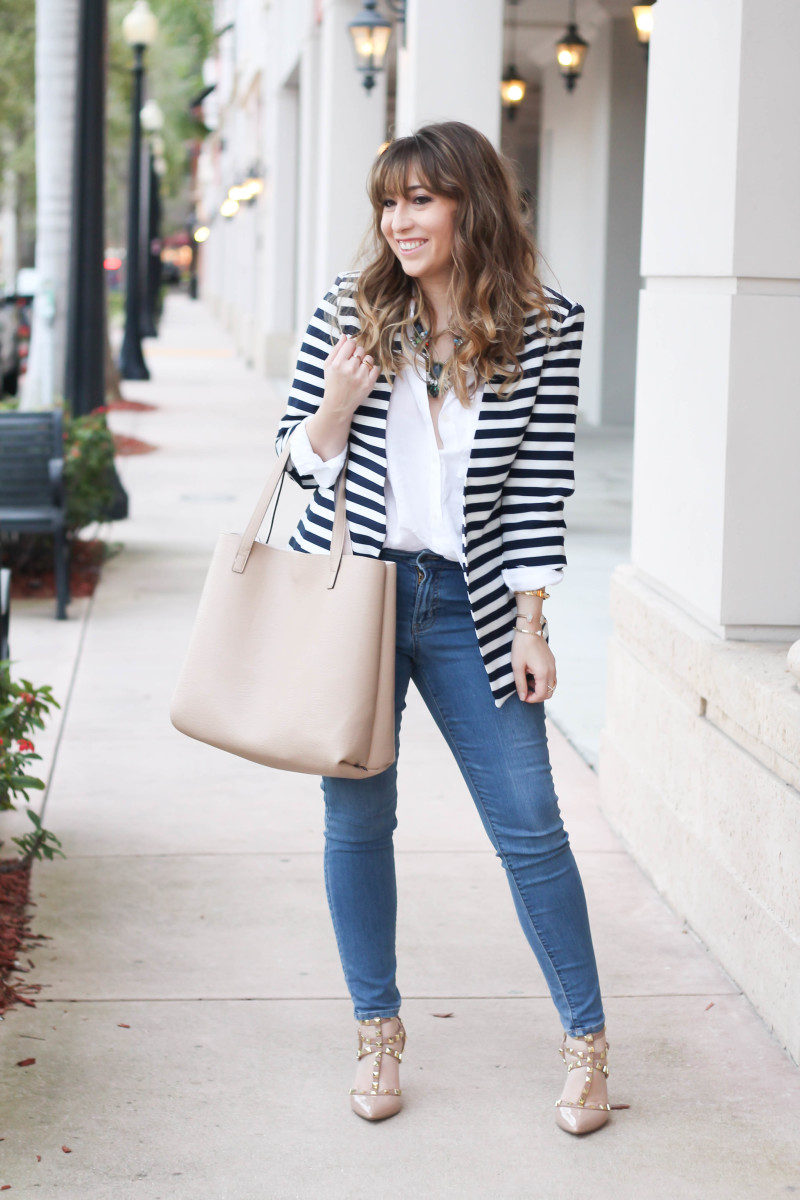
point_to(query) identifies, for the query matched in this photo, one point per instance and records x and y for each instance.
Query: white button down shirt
(424, 482)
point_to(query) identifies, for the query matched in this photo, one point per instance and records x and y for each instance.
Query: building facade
(664, 190)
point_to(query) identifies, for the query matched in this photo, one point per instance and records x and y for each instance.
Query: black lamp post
(139, 30)
(85, 384)
(154, 298)
(149, 280)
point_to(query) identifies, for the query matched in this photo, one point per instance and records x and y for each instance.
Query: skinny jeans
(503, 757)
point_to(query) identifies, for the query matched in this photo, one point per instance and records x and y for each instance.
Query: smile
(409, 247)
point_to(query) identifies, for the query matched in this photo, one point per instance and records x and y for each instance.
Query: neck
(435, 293)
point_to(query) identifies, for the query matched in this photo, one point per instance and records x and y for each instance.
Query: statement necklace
(421, 338)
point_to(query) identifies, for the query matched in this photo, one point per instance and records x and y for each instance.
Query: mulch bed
(125, 445)
(37, 582)
(124, 405)
(15, 935)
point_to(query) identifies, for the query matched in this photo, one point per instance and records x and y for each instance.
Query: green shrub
(88, 466)
(22, 710)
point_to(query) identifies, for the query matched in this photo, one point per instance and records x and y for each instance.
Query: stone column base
(700, 776)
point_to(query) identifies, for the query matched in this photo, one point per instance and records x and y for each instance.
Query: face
(420, 230)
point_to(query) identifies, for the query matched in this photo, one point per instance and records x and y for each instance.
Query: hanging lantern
(512, 89)
(643, 18)
(512, 85)
(571, 52)
(370, 34)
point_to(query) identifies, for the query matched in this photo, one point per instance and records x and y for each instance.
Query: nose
(401, 218)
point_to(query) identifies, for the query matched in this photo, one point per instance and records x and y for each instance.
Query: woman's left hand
(532, 655)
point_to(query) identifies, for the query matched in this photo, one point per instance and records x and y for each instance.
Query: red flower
(27, 697)
(25, 745)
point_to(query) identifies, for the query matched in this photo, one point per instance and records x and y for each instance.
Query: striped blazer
(519, 474)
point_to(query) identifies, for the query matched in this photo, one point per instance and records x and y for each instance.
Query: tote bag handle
(263, 503)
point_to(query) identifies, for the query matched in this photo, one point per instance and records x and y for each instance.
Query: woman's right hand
(350, 376)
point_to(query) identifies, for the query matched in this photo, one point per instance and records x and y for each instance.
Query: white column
(280, 230)
(352, 127)
(700, 754)
(590, 197)
(308, 167)
(451, 67)
(716, 505)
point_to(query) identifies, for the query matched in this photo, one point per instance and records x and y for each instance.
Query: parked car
(9, 345)
(24, 322)
(16, 313)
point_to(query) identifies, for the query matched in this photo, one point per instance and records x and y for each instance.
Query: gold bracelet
(530, 616)
(533, 632)
(535, 592)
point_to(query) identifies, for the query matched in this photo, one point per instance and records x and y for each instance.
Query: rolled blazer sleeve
(542, 475)
(308, 384)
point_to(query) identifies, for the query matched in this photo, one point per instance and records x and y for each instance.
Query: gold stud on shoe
(580, 1116)
(378, 1102)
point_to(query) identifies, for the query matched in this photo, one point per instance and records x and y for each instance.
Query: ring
(369, 357)
(551, 687)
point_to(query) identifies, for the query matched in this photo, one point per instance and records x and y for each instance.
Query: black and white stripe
(520, 468)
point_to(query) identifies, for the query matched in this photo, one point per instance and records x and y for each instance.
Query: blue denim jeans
(503, 756)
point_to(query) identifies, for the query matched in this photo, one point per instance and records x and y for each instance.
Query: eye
(424, 199)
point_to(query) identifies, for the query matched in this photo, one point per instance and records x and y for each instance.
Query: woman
(451, 373)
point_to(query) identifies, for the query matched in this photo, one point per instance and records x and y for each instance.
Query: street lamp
(152, 119)
(139, 30)
(85, 383)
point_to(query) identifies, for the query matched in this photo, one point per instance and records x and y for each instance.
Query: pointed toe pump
(575, 1113)
(381, 1036)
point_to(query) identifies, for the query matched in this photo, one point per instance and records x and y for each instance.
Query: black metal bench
(32, 497)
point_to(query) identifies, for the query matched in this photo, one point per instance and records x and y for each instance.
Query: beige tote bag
(291, 658)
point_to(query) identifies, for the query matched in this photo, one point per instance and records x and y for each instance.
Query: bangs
(407, 160)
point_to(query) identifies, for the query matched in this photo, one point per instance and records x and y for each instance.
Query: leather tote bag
(291, 657)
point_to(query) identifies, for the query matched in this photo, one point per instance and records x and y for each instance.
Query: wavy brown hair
(494, 286)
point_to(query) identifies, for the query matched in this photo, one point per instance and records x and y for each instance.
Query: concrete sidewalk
(194, 1037)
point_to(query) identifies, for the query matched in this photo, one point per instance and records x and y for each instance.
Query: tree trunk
(8, 230)
(56, 65)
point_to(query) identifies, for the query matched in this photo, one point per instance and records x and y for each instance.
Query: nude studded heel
(579, 1115)
(378, 1102)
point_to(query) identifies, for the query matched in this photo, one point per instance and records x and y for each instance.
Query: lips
(411, 245)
